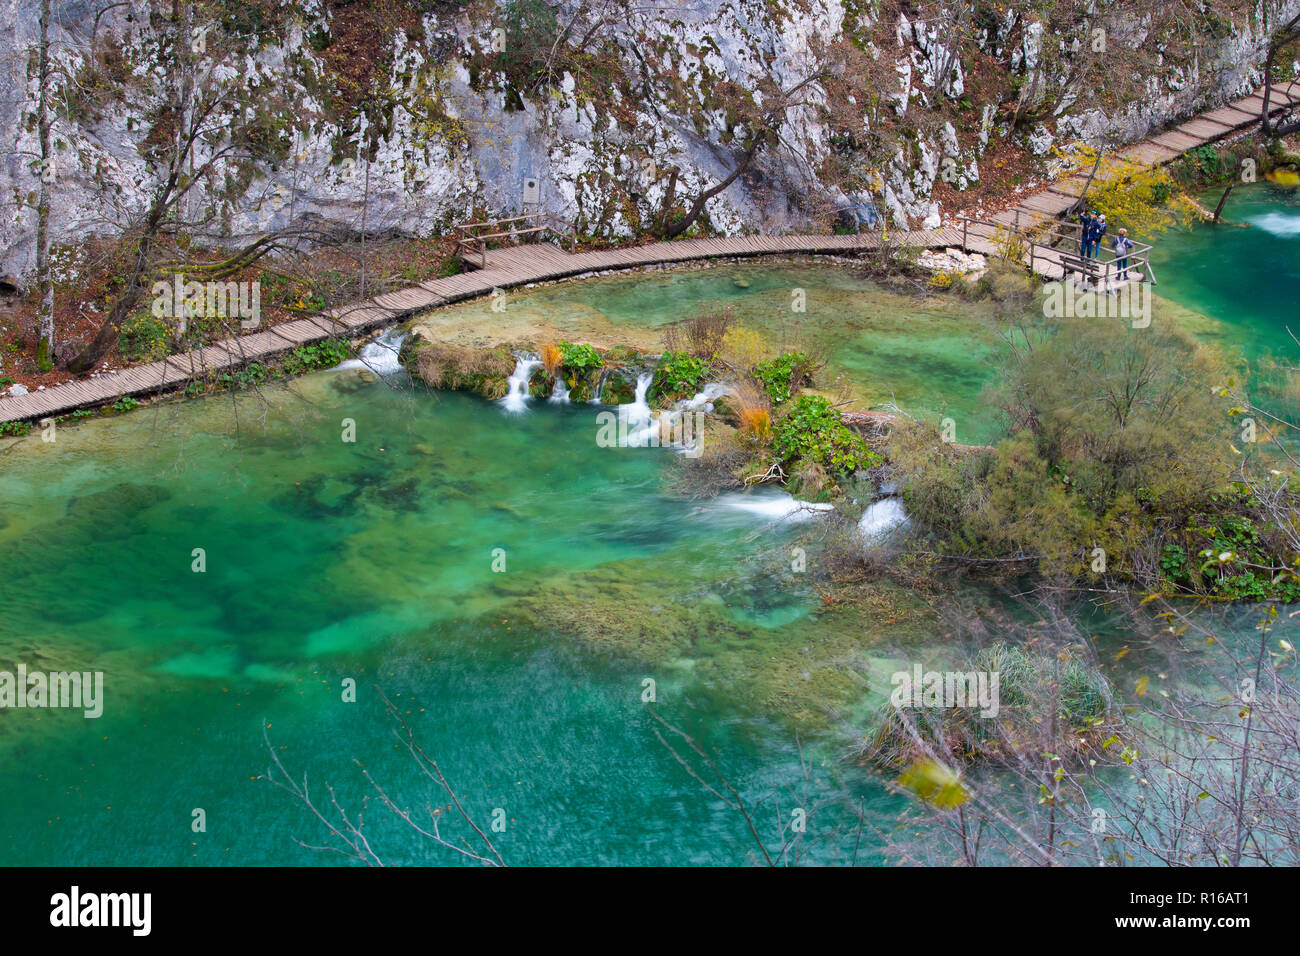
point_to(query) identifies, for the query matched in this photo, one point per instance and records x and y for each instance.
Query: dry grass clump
(702, 335)
(756, 425)
(442, 365)
(552, 359)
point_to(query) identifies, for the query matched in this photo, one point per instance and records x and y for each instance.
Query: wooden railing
(471, 241)
(1063, 242)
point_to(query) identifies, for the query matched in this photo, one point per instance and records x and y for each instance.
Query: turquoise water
(373, 561)
(1244, 277)
(931, 356)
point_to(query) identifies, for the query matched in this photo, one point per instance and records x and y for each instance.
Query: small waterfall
(881, 519)
(772, 505)
(379, 356)
(703, 400)
(638, 413)
(516, 399)
(600, 384)
(560, 395)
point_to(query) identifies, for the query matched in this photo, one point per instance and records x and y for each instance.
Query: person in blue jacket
(1086, 222)
(1098, 230)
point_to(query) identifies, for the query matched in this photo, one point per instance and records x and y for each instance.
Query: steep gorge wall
(406, 116)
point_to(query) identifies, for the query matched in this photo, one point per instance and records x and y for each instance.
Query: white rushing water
(560, 394)
(380, 356)
(595, 395)
(516, 398)
(881, 519)
(1277, 223)
(772, 505)
(638, 413)
(703, 400)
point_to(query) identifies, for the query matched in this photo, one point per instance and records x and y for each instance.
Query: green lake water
(373, 560)
(932, 357)
(1245, 278)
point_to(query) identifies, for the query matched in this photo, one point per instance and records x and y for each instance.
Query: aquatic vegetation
(782, 376)
(465, 368)
(325, 354)
(743, 347)
(678, 376)
(703, 335)
(1080, 489)
(617, 389)
(551, 359)
(579, 358)
(756, 424)
(1030, 684)
(813, 431)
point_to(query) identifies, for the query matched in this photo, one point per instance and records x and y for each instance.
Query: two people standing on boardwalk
(1093, 226)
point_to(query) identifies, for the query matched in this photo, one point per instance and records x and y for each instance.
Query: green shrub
(254, 374)
(579, 358)
(307, 358)
(15, 428)
(678, 375)
(784, 375)
(144, 338)
(125, 404)
(813, 431)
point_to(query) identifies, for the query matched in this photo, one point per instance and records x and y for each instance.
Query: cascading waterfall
(516, 398)
(881, 519)
(703, 400)
(560, 394)
(600, 385)
(638, 415)
(379, 356)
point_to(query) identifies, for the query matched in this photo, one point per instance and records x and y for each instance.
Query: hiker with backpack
(1123, 246)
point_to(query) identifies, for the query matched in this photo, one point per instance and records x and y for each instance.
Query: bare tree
(347, 829)
(44, 280)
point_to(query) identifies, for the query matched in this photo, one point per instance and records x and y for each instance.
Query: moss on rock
(462, 368)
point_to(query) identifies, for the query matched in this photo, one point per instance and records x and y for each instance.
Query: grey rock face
(433, 167)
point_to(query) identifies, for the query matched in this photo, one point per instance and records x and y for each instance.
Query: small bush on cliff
(144, 338)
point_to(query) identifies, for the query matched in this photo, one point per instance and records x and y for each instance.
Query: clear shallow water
(933, 356)
(373, 560)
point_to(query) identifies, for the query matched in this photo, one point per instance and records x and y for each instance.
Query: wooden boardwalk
(540, 262)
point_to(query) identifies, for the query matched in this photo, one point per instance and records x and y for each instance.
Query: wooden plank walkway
(540, 262)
